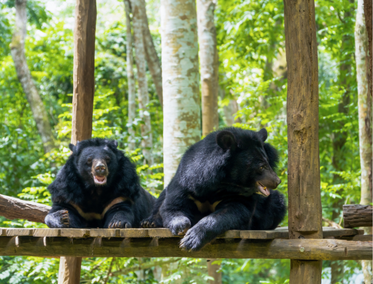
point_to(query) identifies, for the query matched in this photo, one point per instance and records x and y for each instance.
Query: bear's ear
(74, 148)
(263, 134)
(71, 146)
(226, 140)
(115, 143)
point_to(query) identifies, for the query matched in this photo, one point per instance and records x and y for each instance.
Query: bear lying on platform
(224, 182)
(98, 187)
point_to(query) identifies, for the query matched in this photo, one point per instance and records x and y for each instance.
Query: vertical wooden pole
(303, 140)
(84, 87)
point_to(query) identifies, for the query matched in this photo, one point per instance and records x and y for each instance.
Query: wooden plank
(47, 233)
(161, 233)
(75, 233)
(104, 233)
(363, 238)
(164, 233)
(10, 232)
(264, 235)
(305, 249)
(134, 233)
(332, 232)
(232, 234)
(356, 215)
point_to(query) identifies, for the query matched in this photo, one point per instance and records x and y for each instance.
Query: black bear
(98, 187)
(223, 182)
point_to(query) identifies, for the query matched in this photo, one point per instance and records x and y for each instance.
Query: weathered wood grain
(84, 68)
(281, 233)
(83, 94)
(305, 249)
(15, 208)
(356, 215)
(305, 217)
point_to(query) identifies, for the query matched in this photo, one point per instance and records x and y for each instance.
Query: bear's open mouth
(99, 180)
(262, 190)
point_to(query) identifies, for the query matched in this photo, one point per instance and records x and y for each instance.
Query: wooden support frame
(357, 215)
(76, 243)
(305, 216)
(84, 88)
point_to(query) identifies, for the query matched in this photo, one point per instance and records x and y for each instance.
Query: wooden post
(84, 86)
(303, 140)
(84, 63)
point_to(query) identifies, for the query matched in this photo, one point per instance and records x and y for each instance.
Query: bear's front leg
(58, 219)
(62, 216)
(177, 215)
(119, 216)
(228, 216)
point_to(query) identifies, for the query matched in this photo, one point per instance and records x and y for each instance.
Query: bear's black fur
(221, 184)
(98, 187)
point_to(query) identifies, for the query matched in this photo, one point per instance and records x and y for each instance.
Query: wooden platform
(161, 243)
(279, 233)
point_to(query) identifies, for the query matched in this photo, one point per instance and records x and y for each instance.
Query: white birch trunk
(365, 119)
(130, 78)
(181, 101)
(17, 49)
(146, 131)
(209, 65)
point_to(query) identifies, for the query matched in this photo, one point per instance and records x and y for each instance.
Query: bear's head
(252, 161)
(96, 160)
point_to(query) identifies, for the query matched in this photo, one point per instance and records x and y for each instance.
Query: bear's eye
(262, 168)
(107, 159)
(89, 161)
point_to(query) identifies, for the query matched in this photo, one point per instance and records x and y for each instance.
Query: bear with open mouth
(224, 182)
(98, 187)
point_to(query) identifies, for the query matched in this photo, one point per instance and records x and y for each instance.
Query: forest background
(252, 94)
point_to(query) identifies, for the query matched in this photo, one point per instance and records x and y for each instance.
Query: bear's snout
(100, 168)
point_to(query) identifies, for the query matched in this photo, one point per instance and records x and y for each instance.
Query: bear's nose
(278, 181)
(100, 168)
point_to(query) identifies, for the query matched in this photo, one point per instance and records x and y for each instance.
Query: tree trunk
(209, 79)
(303, 128)
(146, 131)
(154, 63)
(130, 78)
(339, 141)
(230, 110)
(209, 65)
(365, 117)
(181, 106)
(17, 48)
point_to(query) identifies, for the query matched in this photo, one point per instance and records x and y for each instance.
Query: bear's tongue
(263, 190)
(99, 179)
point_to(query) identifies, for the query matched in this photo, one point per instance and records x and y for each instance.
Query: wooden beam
(84, 68)
(305, 249)
(356, 215)
(305, 218)
(15, 208)
(71, 233)
(84, 88)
